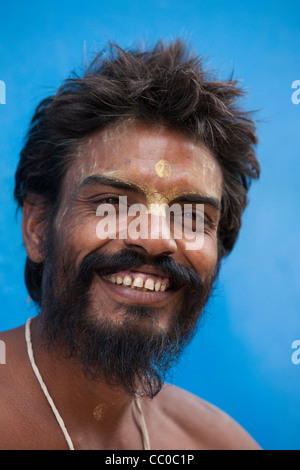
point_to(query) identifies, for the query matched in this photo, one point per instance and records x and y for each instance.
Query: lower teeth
(143, 289)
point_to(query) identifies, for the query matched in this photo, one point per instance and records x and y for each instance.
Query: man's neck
(91, 409)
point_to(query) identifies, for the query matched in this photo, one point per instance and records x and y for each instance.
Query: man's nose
(153, 235)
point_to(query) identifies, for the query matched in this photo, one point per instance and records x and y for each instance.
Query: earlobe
(33, 227)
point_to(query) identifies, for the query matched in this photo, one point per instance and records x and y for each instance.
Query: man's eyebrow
(196, 198)
(98, 179)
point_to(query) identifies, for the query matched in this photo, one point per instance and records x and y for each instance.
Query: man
(117, 306)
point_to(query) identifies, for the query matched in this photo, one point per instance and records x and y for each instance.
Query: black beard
(125, 355)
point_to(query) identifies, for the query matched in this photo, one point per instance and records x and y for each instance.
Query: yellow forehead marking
(163, 169)
(157, 209)
(156, 200)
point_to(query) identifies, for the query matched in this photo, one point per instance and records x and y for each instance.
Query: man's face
(143, 287)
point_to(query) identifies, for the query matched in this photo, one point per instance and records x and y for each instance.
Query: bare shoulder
(13, 387)
(12, 364)
(192, 423)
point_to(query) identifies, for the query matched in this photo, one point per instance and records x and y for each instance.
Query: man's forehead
(155, 155)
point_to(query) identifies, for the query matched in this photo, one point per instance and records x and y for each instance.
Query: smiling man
(119, 292)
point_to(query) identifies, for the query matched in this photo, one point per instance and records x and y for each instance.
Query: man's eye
(194, 216)
(189, 215)
(109, 200)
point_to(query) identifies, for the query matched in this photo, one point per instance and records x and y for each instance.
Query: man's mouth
(141, 281)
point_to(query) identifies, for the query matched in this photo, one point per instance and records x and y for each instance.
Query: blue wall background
(241, 357)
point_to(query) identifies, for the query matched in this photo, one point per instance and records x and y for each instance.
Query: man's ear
(33, 227)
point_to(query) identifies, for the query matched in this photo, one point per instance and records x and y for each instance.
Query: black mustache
(106, 264)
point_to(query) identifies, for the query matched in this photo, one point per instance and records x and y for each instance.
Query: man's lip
(147, 269)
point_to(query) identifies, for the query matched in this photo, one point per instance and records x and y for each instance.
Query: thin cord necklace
(139, 413)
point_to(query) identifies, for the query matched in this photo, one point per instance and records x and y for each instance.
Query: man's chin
(134, 357)
(131, 353)
(144, 320)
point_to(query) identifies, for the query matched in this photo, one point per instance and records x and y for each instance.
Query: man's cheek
(78, 232)
(204, 260)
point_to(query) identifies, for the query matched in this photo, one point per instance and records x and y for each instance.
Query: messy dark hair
(166, 85)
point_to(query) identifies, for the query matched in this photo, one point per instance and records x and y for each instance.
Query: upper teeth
(137, 282)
